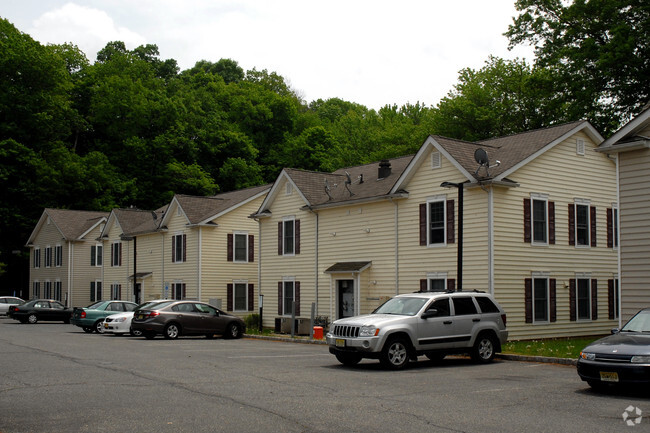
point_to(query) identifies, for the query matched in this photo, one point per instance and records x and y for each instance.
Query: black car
(621, 358)
(175, 318)
(40, 309)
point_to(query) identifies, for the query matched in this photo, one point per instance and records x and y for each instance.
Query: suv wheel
(395, 354)
(348, 359)
(484, 349)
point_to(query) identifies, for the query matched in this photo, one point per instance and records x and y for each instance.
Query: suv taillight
(503, 317)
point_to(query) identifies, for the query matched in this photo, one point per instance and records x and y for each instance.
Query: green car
(91, 318)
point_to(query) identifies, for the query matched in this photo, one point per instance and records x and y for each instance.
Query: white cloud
(88, 28)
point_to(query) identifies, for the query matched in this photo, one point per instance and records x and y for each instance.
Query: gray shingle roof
(74, 223)
(198, 209)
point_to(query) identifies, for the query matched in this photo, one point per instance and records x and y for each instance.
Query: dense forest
(131, 129)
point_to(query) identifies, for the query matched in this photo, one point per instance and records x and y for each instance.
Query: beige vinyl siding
(149, 259)
(590, 176)
(217, 272)
(355, 234)
(182, 272)
(416, 261)
(116, 274)
(301, 266)
(49, 236)
(634, 175)
(82, 272)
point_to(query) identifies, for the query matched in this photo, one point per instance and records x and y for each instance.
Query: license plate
(140, 316)
(607, 376)
(105, 325)
(340, 342)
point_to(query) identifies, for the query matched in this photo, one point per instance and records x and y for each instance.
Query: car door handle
(476, 320)
(447, 322)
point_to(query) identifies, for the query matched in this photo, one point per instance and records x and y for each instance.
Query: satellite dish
(481, 156)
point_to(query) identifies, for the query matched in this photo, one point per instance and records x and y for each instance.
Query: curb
(505, 356)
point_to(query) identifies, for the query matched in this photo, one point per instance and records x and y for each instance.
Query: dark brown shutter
(280, 238)
(610, 299)
(593, 225)
(552, 299)
(594, 299)
(528, 299)
(423, 224)
(120, 248)
(296, 229)
(423, 285)
(184, 291)
(229, 297)
(92, 291)
(280, 298)
(93, 254)
(112, 246)
(451, 284)
(572, 299)
(610, 228)
(184, 248)
(119, 291)
(99, 290)
(251, 297)
(229, 245)
(451, 238)
(527, 218)
(251, 248)
(572, 224)
(551, 223)
(173, 249)
(296, 296)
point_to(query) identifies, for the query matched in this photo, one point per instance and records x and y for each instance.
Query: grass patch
(555, 348)
(256, 331)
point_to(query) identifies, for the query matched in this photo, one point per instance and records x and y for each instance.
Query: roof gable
(629, 132)
(72, 224)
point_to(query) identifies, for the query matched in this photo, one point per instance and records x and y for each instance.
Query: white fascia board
(37, 228)
(631, 127)
(275, 190)
(417, 160)
(170, 210)
(84, 234)
(586, 126)
(232, 208)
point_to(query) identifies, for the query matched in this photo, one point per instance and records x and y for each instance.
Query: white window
(116, 291)
(36, 289)
(583, 298)
(288, 237)
(288, 296)
(541, 300)
(288, 188)
(539, 219)
(48, 256)
(58, 256)
(437, 281)
(95, 290)
(96, 254)
(179, 248)
(57, 290)
(437, 221)
(47, 290)
(116, 254)
(240, 296)
(582, 224)
(580, 146)
(37, 257)
(241, 247)
(178, 290)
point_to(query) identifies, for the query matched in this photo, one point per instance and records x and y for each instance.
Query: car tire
(484, 348)
(135, 333)
(597, 385)
(435, 357)
(66, 321)
(32, 318)
(87, 329)
(233, 331)
(149, 335)
(395, 354)
(99, 326)
(209, 336)
(172, 331)
(22, 321)
(348, 359)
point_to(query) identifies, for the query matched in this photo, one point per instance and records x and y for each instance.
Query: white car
(120, 323)
(6, 301)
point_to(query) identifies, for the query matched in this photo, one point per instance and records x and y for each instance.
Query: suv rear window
(464, 306)
(486, 305)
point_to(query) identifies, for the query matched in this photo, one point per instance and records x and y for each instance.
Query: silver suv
(423, 323)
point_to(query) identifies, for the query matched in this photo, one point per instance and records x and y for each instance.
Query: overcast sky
(372, 52)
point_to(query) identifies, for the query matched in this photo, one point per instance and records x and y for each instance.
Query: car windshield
(638, 323)
(401, 306)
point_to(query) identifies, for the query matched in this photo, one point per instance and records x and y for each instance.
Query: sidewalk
(505, 356)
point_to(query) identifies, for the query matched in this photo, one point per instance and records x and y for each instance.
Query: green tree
(598, 52)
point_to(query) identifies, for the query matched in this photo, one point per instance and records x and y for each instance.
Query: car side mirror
(615, 330)
(431, 312)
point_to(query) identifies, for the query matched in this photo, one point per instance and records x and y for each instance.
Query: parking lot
(56, 378)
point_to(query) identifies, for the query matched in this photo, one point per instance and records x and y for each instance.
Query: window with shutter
(436, 224)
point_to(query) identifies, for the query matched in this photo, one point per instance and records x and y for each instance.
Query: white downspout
(316, 264)
(70, 273)
(618, 235)
(491, 240)
(199, 267)
(396, 247)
